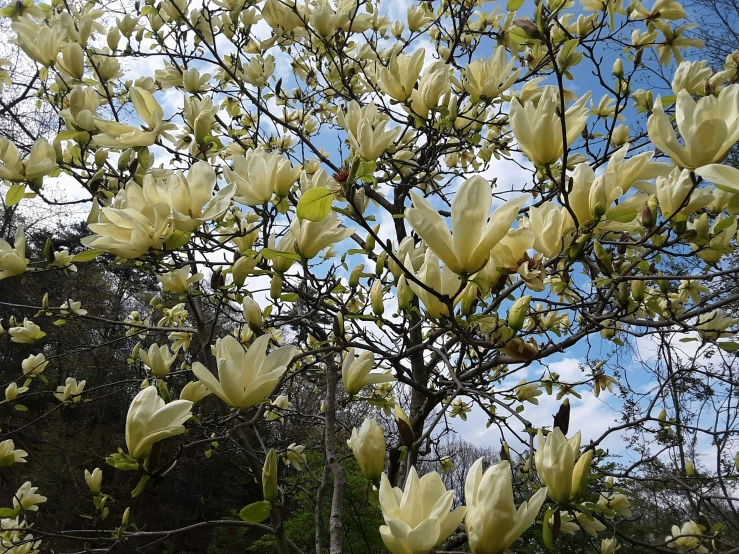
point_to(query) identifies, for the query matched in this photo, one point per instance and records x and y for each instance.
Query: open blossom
(9, 455)
(589, 524)
(683, 538)
(150, 420)
(714, 324)
(191, 197)
(179, 280)
(609, 546)
(558, 465)
(712, 243)
(245, 378)
(143, 217)
(276, 407)
(357, 372)
(40, 42)
(418, 517)
(314, 236)
(27, 498)
(27, 333)
(158, 359)
(180, 340)
(134, 222)
(366, 130)
(691, 76)
(662, 9)
(13, 258)
(602, 382)
(434, 84)
(194, 391)
(527, 392)
(709, 127)
(459, 408)
(13, 390)
(258, 175)
(399, 78)
(70, 390)
(474, 230)
(40, 161)
(493, 523)
(114, 134)
(678, 196)
(294, 456)
(441, 280)
(489, 78)
(617, 502)
(538, 128)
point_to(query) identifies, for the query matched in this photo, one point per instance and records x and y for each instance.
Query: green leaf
(8, 512)
(177, 240)
(20, 408)
(122, 462)
(86, 256)
(546, 531)
(289, 297)
(729, 346)
(273, 254)
(256, 512)
(15, 194)
(140, 487)
(315, 204)
(70, 135)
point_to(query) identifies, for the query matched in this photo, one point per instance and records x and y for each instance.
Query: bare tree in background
(719, 28)
(22, 119)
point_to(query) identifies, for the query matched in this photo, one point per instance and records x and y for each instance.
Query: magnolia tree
(406, 214)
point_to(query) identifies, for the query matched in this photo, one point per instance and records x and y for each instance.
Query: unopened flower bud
(637, 290)
(269, 477)
(252, 313)
(405, 294)
(378, 307)
(380, 265)
(94, 480)
(355, 275)
(518, 311)
(135, 351)
(580, 474)
(275, 288)
(618, 68)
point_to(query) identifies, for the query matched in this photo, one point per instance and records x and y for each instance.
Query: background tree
(265, 261)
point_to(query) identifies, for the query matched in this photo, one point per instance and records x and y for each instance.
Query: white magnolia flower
(27, 498)
(417, 518)
(475, 231)
(357, 372)
(150, 420)
(538, 128)
(709, 127)
(493, 523)
(245, 378)
(13, 259)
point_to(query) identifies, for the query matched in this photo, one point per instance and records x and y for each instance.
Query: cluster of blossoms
(235, 187)
(15, 533)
